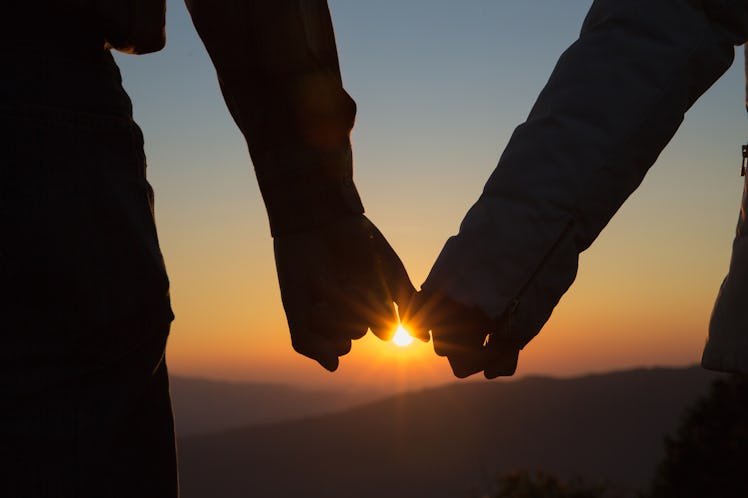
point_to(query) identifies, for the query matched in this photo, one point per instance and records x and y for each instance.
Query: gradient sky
(440, 85)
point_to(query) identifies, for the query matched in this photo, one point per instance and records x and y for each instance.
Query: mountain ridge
(203, 406)
(446, 441)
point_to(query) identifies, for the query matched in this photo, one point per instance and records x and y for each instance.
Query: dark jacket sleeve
(614, 100)
(278, 69)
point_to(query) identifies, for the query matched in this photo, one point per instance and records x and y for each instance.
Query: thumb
(413, 311)
(401, 288)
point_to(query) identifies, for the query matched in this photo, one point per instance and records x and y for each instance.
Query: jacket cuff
(305, 189)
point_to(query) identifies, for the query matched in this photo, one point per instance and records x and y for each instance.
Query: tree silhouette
(708, 457)
(523, 484)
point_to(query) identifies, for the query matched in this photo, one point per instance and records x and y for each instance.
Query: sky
(440, 86)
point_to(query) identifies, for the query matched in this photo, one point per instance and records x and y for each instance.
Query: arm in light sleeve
(614, 100)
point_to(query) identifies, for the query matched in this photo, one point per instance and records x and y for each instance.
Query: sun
(402, 338)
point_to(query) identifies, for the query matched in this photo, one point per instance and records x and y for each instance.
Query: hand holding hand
(470, 340)
(337, 281)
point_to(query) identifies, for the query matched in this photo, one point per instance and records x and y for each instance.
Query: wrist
(306, 189)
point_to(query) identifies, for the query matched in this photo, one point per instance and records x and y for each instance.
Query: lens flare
(402, 338)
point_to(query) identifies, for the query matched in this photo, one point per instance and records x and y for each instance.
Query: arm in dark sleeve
(278, 69)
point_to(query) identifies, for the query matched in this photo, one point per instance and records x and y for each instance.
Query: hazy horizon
(350, 383)
(437, 443)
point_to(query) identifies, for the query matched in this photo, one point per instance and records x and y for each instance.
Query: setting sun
(402, 338)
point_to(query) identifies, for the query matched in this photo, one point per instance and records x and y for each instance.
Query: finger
(412, 316)
(502, 366)
(461, 339)
(368, 302)
(316, 348)
(306, 338)
(467, 363)
(460, 334)
(325, 350)
(341, 346)
(457, 342)
(393, 284)
(338, 310)
(336, 322)
(384, 323)
(502, 356)
(419, 314)
(444, 344)
(396, 277)
(381, 313)
(457, 335)
(407, 310)
(330, 364)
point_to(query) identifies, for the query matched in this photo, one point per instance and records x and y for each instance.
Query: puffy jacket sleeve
(612, 103)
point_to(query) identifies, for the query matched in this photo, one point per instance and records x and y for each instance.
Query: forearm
(614, 100)
(278, 68)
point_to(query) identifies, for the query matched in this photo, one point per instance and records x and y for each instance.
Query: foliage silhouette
(708, 456)
(524, 484)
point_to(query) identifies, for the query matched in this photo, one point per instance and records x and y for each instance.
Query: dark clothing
(84, 296)
(278, 68)
(78, 250)
(107, 434)
(83, 287)
(70, 26)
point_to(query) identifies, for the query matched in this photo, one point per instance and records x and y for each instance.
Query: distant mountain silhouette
(451, 441)
(204, 406)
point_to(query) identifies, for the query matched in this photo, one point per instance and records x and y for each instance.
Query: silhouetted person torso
(79, 249)
(84, 305)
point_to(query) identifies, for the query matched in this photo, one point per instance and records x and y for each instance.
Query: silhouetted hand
(337, 281)
(470, 340)
(142, 33)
